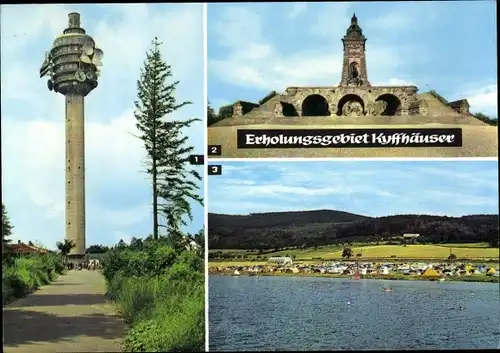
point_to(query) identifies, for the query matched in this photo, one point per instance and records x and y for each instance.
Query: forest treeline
(324, 227)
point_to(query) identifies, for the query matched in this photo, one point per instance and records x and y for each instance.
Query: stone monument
(354, 100)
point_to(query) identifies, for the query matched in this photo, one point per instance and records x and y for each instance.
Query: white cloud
(485, 179)
(231, 169)
(259, 64)
(404, 17)
(128, 217)
(216, 103)
(240, 182)
(297, 9)
(458, 199)
(291, 186)
(379, 189)
(484, 100)
(332, 22)
(126, 42)
(394, 82)
(33, 176)
(397, 53)
(21, 26)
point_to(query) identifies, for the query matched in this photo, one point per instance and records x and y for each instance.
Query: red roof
(22, 248)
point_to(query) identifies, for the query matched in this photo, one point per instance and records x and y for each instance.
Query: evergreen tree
(486, 119)
(212, 117)
(173, 181)
(6, 227)
(121, 244)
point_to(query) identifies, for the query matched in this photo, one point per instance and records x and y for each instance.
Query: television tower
(72, 65)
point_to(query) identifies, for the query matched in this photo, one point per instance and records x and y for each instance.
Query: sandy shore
(395, 277)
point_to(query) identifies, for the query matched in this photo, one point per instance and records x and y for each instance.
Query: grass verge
(160, 293)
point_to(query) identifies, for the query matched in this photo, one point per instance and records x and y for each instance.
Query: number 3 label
(214, 170)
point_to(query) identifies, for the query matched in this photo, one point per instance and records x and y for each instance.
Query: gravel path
(69, 315)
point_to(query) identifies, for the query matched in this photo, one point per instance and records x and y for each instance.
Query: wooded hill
(324, 227)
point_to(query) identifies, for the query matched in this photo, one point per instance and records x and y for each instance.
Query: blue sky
(449, 46)
(118, 194)
(372, 188)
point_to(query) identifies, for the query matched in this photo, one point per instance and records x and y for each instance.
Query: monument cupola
(354, 30)
(354, 73)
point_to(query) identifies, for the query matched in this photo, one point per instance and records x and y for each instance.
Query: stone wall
(461, 106)
(241, 108)
(333, 95)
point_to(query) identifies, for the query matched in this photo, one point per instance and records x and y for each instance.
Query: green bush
(226, 111)
(136, 298)
(176, 324)
(160, 293)
(25, 274)
(267, 97)
(438, 96)
(154, 260)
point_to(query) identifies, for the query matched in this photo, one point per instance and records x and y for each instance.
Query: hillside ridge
(269, 230)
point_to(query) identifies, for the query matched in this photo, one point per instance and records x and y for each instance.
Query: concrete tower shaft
(75, 172)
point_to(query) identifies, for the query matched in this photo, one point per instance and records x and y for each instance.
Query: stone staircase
(442, 113)
(436, 107)
(260, 115)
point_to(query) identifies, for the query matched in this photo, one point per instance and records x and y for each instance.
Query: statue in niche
(376, 108)
(354, 75)
(354, 70)
(352, 108)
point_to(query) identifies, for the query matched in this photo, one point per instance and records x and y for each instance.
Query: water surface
(301, 313)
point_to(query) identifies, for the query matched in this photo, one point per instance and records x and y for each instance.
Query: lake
(307, 313)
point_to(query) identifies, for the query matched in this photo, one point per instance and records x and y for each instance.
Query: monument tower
(354, 72)
(72, 65)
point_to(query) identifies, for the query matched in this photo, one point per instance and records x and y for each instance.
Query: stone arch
(315, 105)
(393, 104)
(349, 98)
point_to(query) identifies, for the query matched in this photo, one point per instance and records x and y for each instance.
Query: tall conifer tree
(174, 181)
(6, 227)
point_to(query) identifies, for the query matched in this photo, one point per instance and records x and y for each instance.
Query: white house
(334, 269)
(411, 235)
(384, 270)
(281, 260)
(190, 243)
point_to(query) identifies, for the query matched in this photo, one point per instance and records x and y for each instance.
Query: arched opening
(315, 105)
(393, 104)
(288, 109)
(350, 104)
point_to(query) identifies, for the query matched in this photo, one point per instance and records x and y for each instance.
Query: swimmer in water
(461, 308)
